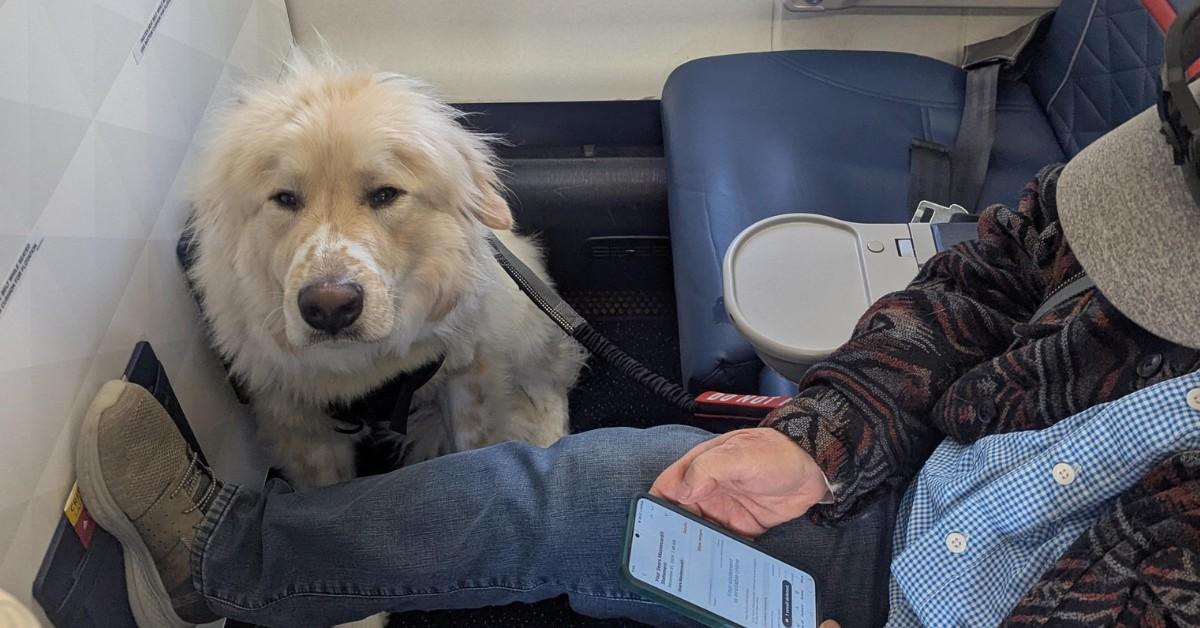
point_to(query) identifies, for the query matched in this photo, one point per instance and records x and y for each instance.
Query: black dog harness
(390, 402)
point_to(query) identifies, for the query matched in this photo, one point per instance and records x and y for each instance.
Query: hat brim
(1128, 215)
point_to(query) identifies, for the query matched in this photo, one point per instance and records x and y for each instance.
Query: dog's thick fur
(431, 287)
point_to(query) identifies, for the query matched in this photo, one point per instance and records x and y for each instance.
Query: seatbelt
(1073, 288)
(955, 175)
(976, 134)
(928, 173)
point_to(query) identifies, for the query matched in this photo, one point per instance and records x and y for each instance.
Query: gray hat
(1130, 218)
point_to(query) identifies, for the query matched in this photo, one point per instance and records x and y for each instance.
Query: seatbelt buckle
(923, 244)
(930, 212)
(719, 405)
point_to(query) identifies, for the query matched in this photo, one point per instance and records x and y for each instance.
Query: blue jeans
(509, 523)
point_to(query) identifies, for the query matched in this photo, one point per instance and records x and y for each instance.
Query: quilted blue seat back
(1099, 65)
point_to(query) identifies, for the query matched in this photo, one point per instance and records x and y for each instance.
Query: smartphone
(709, 574)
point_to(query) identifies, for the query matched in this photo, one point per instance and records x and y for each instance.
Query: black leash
(567, 319)
(710, 404)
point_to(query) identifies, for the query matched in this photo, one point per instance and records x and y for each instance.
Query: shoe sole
(148, 598)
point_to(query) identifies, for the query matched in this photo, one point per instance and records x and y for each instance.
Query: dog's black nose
(331, 306)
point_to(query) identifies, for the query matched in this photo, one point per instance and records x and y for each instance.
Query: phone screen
(681, 558)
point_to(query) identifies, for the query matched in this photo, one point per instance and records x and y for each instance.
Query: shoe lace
(191, 478)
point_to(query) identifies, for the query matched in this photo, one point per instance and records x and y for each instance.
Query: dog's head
(352, 202)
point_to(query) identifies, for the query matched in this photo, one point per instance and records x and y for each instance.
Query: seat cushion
(1098, 65)
(755, 135)
(770, 382)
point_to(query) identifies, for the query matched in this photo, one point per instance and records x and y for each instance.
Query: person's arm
(863, 417)
(864, 413)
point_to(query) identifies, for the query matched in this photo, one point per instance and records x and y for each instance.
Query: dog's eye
(383, 197)
(287, 200)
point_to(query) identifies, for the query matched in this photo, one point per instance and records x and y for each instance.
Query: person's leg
(851, 561)
(503, 524)
(508, 523)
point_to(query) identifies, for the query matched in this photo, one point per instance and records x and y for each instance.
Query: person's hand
(829, 623)
(748, 480)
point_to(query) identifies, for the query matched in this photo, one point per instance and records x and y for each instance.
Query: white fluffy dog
(340, 227)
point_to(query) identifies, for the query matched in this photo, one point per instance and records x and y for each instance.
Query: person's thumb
(829, 623)
(704, 474)
(696, 486)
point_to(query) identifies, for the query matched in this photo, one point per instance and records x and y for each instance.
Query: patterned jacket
(1138, 566)
(955, 355)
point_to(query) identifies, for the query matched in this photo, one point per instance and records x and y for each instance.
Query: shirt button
(1193, 398)
(1149, 365)
(986, 410)
(1063, 473)
(956, 542)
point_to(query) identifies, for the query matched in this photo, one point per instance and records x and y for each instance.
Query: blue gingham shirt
(982, 522)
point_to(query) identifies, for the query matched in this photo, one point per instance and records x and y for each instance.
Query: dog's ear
(492, 210)
(485, 203)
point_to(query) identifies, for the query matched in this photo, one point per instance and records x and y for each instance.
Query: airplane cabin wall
(96, 146)
(553, 50)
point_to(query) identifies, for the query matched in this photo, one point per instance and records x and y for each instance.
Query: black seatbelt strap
(955, 175)
(1073, 288)
(929, 173)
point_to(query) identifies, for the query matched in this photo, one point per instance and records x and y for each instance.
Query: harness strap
(393, 400)
(1073, 288)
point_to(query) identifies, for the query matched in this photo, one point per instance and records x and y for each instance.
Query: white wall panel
(535, 49)
(93, 164)
(521, 50)
(940, 34)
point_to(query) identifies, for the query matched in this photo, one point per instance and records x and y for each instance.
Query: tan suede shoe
(144, 485)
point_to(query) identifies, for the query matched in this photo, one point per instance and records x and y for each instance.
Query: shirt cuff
(830, 491)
